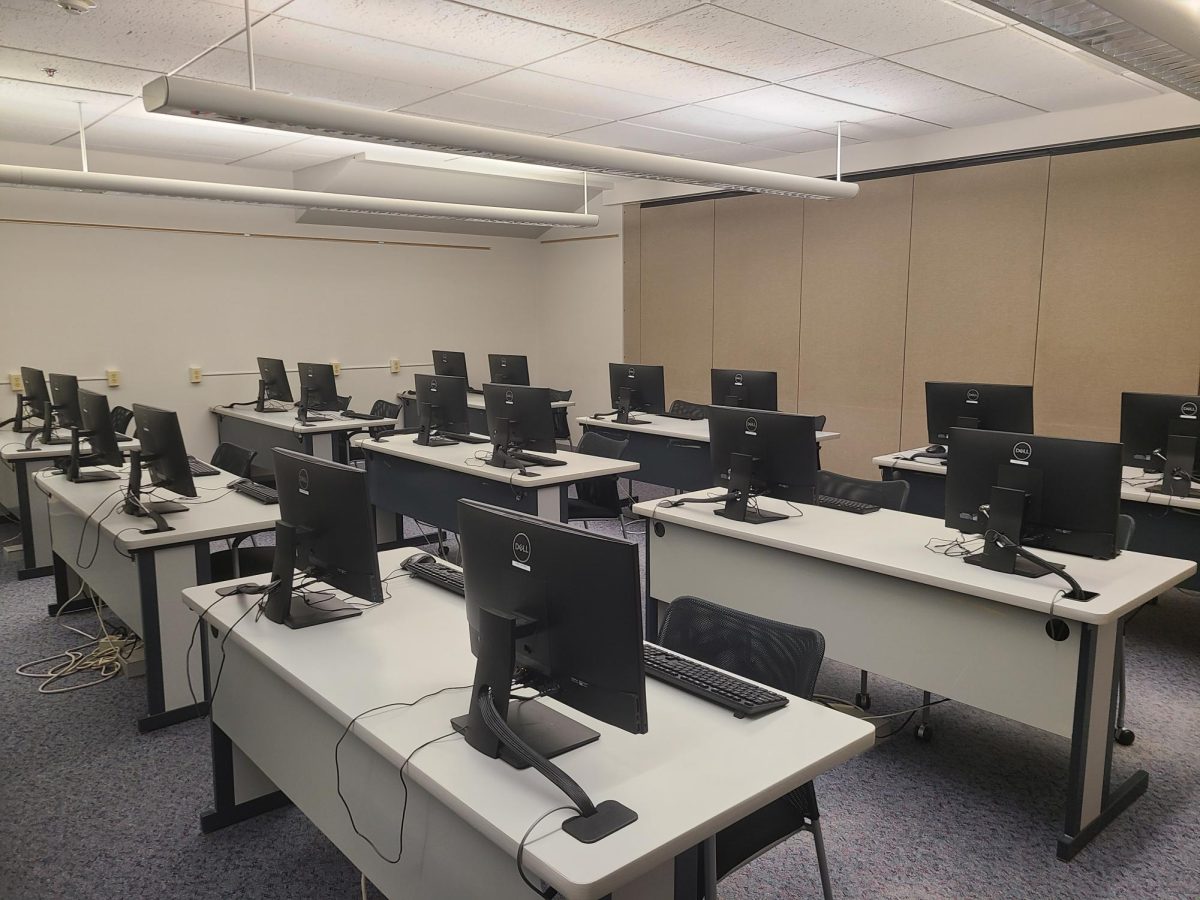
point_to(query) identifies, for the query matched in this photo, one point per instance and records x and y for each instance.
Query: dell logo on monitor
(1188, 410)
(752, 425)
(737, 379)
(1022, 451)
(508, 397)
(433, 385)
(631, 375)
(521, 548)
(973, 395)
(302, 481)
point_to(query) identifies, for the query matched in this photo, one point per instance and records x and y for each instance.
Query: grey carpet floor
(91, 809)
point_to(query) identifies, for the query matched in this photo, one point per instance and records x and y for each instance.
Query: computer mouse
(935, 448)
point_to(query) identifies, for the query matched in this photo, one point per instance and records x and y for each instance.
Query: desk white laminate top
(679, 429)
(12, 449)
(1133, 480)
(462, 458)
(893, 543)
(286, 420)
(697, 770)
(216, 513)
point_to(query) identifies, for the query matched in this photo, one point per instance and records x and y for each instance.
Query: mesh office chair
(688, 410)
(380, 409)
(785, 657)
(233, 458)
(598, 498)
(562, 425)
(884, 494)
(121, 417)
(1121, 734)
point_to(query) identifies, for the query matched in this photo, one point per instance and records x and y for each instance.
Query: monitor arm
(1075, 593)
(17, 421)
(425, 418)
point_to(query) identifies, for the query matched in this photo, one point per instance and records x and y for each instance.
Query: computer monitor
(64, 394)
(318, 390)
(95, 424)
(1033, 491)
(32, 401)
(519, 419)
(1161, 433)
(508, 369)
(326, 530)
(450, 362)
(636, 388)
(991, 407)
(759, 452)
(164, 455)
(745, 388)
(558, 610)
(272, 384)
(441, 409)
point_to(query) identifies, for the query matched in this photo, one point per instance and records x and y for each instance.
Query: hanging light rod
(103, 182)
(187, 97)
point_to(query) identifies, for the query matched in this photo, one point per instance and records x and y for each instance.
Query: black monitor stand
(737, 508)
(77, 460)
(500, 457)
(1006, 516)
(303, 416)
(299, 608)
(260, 404)
(425, 436)
(152, 509)
(19, 424)
(1177, 478)
(46, 431)
(625, 408)
(524, 733)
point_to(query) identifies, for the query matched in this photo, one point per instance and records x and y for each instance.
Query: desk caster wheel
(1125, 737)
(862, 701)
(924, 733)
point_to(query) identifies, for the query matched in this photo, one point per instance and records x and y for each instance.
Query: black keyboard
(534, 460)
(433, 570)
(440, 440)
(201, 469)
(729, 691)
(465, 438)
(471, 390)
(313, 419)
(254, 491)
(351, 414)
(843, 505)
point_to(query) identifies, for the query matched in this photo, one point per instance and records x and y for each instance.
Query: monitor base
(1189, 493)
(303, 614)
(95, 476)
(548, 732)
(609, 816)
(751, 517)
(1022, 567)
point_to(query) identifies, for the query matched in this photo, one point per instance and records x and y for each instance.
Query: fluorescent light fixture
(102, 183)
(188, 97)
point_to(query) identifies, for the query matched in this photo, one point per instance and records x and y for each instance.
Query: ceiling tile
(879, 28)
(442, 25)
(552, 92)
(229, 67)
(1023, 68)
(654, 140)
(285, 159)
(45, 114)
(726, 40)
(329, 48)
(886, 86)
(597, 19)
(499, 114)
(630, 69)
(975, 112)
(144, 34)
(776, 103)
(802, 142)
(68, 72)
(713, 123)
(888, 128)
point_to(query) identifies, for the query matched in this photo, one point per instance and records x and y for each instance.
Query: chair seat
(582, 509)
(252, 561)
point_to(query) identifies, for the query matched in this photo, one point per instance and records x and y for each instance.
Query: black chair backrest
(343, 402)
(562, 423)
(688, 409)
(786, 657)
(884, 494)
(601, 491)
(1125, 526)
(819, 423)
(233, 458)
(121, 417)
(382, 409)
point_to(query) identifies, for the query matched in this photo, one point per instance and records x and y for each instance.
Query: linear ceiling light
(1101, 31)
(102, 182)
(226, 103)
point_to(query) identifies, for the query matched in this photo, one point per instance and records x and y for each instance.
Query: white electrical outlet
(337, 368)
(113, 376)
(14, 382)
(194, 374)
(394, 365)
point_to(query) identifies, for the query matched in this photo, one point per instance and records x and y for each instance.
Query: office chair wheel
(862, 701)
(924, 732)
(1125, 737)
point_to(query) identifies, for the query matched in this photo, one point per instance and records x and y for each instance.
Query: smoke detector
(77, 7)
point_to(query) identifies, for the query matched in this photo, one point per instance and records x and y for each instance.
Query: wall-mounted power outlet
(14, 382)
(394, 366)
(113, 376)
(337, 368)
(194, 374)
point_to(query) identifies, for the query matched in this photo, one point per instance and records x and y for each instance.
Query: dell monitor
(636, 388)
(326, 530)
(556, 610)
(508, 369)
(318, 390)
(95, 423)
(164, 456)
(519, 419)
(1161, 433)
(991, 407)
(451, 362)
(745, 388)
(32, 401)
(272, 385)
(759, 452)
(1028, 491)
(441, 409)
(64, 394)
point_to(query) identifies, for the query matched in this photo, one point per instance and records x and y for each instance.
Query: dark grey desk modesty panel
(477, 418)
(670, 462)
(264, 438)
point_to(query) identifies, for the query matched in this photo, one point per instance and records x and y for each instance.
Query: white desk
(19, 468)
(427, 482)
(285, 697)
(886, 604)
(263, 431)
(476, 413)
(671, 452)
(139, 576)
(1168, 526)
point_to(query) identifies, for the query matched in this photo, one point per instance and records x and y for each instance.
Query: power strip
(134, 666)
(13, 552)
